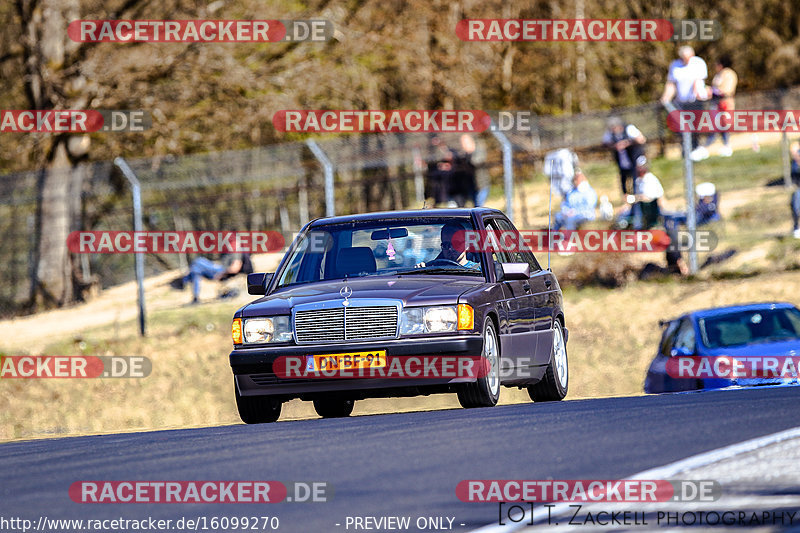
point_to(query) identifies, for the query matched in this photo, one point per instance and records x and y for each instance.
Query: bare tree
(45, 50)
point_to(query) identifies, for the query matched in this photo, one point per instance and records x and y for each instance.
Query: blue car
(754, 330)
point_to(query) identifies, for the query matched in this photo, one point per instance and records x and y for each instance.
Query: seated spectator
(674, 259)
(706, 210)
(230, 265)
(578, 205)
(707, 200)
(645, 200)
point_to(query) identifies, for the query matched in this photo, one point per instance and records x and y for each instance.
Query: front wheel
(553, 386)
(486, 390)
(331, 407)
(257, 409)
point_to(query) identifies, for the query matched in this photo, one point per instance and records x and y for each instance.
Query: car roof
(410, 213)
(719, 311)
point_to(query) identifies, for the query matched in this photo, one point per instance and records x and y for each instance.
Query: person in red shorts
(723, 88)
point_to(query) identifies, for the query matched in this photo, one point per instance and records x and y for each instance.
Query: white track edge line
(662, 472)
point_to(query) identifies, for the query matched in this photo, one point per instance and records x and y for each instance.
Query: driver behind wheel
(449, 252)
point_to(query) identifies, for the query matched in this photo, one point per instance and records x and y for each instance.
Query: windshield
(750, 327)
(376, 248)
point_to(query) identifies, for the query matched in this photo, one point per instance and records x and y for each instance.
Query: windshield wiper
(439, 270)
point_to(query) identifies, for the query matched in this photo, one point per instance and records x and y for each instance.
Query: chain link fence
(281, 187)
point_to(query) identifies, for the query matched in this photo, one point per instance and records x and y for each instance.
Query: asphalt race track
(392, 465)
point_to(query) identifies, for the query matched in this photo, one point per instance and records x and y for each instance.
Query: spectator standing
(463, 187)
(626, 143)
(794, 203)
(578, 206)
(686, 89)
(723, 89)
(645, 202)
(440, 172)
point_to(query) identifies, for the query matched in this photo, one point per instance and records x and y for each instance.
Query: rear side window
(668, 338)
(685, 337)
(514, 256)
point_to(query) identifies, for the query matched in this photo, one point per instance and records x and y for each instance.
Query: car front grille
(346, 323)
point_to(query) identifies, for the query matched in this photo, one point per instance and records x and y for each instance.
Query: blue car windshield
(750, 327)
(380, 247)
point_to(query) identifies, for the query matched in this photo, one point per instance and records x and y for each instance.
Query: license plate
(346, 361)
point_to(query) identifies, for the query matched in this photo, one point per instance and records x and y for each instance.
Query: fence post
(419, 180)
(508, 170)
(688, 174)
(330, 208)
(691, 219)
(137, 226)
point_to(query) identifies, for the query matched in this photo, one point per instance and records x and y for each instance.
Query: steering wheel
(444, 262)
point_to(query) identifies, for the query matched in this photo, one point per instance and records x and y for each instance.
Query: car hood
(412, 291)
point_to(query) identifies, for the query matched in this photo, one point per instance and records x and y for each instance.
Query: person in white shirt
(686, 89)
(645, 202)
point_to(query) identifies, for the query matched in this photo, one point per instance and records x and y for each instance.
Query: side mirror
(516, 271)
(257, 283)
(681, 352)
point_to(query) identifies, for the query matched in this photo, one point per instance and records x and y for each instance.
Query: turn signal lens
(236, 331)
(466, 316)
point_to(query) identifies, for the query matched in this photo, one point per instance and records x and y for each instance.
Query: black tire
(333, 407)
(551, 388)
(484, 392)
(257, 409)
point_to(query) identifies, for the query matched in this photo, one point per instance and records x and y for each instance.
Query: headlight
(439, 319)
(272, 329)
(411, 321)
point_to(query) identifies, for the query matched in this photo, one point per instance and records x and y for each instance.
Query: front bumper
(254, 375)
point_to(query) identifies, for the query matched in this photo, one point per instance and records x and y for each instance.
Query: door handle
(547, 283)
(527, 287)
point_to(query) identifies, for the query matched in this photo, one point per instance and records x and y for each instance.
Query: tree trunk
(45, 47)
(53, 285)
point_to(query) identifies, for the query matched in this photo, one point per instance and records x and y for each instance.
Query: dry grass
(613, 334)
